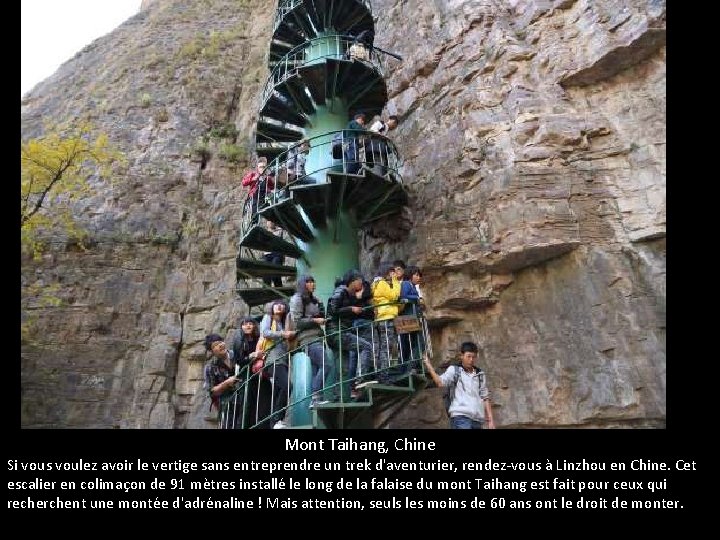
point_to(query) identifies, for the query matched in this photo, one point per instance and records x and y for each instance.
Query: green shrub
(224, 131)
(232, 153)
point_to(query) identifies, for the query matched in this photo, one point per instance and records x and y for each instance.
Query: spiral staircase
(320, 78)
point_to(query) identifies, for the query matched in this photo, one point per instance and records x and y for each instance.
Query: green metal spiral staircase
(318, 82)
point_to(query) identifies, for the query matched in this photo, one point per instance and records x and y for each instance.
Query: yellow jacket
(383, 292)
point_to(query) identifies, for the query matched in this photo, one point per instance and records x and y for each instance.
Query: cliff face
(534, 141)
(535, 144)
(124, 349)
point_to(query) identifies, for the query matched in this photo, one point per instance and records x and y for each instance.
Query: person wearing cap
(342, 311)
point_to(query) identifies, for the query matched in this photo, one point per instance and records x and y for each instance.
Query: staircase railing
(241, 409)
(336, 47)
(286, 6)
(343, 151)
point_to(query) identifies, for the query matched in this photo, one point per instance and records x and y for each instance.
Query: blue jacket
(409, 292)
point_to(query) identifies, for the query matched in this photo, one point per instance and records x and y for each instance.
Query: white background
(52, 31)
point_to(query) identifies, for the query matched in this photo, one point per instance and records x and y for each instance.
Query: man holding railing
(468, 398)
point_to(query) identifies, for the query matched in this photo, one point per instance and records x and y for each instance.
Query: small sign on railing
(405, 324)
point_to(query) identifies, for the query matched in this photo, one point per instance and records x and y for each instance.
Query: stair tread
(389, 388)
(343, 405)
(287, 215)
(270, 132)
(263, 268)
(255, 296)
(261, 239)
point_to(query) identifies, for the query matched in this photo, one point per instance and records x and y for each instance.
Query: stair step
(343, 405)
(312, 198)
(348, 83)
(282, 111)
(271, 132)
(287, 215)
(261, 268)
(289, 32)
(353, 18)
(344, 16)
(257, 296)
(294, 87)
(389, 388)
(270, 152)
(314, 77)
(315, 12)
(261, 239)
(301, 18)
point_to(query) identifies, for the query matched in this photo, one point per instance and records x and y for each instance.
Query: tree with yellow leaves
(55, 170)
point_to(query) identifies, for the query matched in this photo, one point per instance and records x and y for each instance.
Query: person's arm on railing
(224, 386)
(349, 311)
(304, 323)
(320, 319)
(435, 377)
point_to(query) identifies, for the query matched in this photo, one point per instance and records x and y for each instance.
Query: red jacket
(251, 179)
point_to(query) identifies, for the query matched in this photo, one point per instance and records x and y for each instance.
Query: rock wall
(534, 136)
(534, 141)
(125, 347)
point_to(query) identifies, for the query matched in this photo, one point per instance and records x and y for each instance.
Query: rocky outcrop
(533, 134)
(534, 139)
(124, 349)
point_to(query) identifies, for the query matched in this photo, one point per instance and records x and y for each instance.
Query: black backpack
(449, 391)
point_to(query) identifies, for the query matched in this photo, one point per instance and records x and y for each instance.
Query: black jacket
(242, 348)
(365, 301)
(339, 307)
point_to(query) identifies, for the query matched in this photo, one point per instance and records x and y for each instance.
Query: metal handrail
(422, 346)
(338, 48)
(354, 148)
(286, 6)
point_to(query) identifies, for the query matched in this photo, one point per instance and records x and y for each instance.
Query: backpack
(449, 392)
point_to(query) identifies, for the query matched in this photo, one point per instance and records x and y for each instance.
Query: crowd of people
(353, 342)
(356, 146)
(354, 335)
